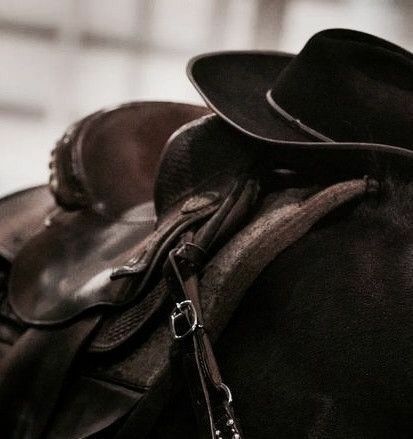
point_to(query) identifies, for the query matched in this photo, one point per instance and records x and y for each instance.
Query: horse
(321, 346)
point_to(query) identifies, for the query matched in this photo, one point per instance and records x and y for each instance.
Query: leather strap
(212, 400)
(33, 374)
(282, 219)
(211, 397)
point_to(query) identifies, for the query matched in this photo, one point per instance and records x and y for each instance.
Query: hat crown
(350, 86)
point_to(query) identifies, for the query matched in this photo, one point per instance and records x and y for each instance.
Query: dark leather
(114, 157)
(33, 373)
(23, 215)
(65, 270)
(108, 161)
(106, 403)
(83, 236)
(72, 273)
(149, 364)
(94, 265)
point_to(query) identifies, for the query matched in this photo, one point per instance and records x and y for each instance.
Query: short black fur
(322, 345)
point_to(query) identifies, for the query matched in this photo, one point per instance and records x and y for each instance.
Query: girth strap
(33, 375)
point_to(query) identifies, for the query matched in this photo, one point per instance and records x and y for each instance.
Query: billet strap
(210, 232)
(212, 399)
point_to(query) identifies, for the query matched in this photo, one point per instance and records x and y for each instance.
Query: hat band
(293, 121)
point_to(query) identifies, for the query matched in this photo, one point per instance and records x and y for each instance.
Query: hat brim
(234, 85)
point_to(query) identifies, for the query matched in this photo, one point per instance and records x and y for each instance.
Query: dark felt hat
(344, 87)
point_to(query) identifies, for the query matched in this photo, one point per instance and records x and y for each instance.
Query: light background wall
(63, 59)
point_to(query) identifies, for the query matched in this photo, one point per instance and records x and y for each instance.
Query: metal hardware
(227, 392)
(184, 309)
(48, 221)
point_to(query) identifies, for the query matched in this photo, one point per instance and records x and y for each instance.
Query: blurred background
(63, 59)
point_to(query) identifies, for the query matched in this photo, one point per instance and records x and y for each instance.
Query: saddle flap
(90, 406)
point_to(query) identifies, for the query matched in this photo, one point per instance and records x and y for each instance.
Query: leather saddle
(90, 273)
(85, 291)
(58, 254)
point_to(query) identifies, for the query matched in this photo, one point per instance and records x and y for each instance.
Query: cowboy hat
(345, 87)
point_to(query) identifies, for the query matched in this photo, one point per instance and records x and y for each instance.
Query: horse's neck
(326, 329)
(319, 345)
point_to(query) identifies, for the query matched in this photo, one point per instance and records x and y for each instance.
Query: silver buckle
(227, 392)
(184, 309)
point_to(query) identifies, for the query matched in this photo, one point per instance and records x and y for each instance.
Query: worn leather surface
(105, 403)
(22, 215)
(111, 159)
(108, 161)
(64, 270)
(33, 373)
(72, 272)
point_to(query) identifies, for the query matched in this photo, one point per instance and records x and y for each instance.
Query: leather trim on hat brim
(234, 85)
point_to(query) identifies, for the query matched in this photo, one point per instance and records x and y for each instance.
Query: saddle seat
(103, 172)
